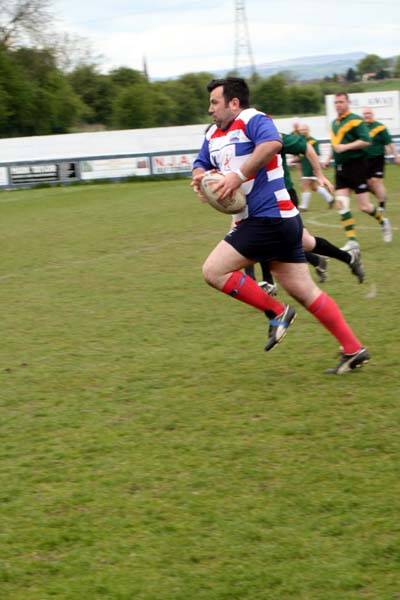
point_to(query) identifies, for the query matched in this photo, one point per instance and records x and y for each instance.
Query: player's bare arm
(312, 156)
(326, 163)
(392, 150)
(197, 176)
(356, 145)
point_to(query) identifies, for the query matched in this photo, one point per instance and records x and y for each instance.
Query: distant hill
(308, 67)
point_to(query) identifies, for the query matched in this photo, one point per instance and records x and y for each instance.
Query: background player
(309, 182)
(316, 248)
(381, 142)
(350, 138)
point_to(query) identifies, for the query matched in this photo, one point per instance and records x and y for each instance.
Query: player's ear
(235, 103)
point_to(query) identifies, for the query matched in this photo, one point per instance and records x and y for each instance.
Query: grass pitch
(150, 449)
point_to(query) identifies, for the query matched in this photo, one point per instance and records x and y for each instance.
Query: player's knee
(369, 209)
(308, 241)
(206, 273)
(209, 274)
(342, 202)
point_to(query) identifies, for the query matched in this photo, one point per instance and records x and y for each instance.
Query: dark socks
(249, 270)
(325, 248)
(312, 258)
(266, 273)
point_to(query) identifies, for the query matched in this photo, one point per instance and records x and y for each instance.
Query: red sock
(325, 309)
(244, 288)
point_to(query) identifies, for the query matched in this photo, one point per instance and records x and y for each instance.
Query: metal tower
(243, 56)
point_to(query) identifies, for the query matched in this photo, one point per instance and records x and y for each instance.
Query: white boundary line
(337, 225)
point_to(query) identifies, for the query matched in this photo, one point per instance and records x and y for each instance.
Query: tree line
(42, 93)
(37, 97)
(48, 85)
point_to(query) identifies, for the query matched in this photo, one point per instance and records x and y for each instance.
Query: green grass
(150, 449)
(383, 85)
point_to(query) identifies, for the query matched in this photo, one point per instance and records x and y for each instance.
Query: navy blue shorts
(266, 238)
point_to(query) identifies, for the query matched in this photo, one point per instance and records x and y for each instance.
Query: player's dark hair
(233, 87)
(345, 94)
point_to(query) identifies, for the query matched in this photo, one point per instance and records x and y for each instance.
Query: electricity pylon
(243, 56)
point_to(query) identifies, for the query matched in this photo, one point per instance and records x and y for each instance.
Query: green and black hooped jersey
(306, 167)
(380, 138)
(292, 144)
(346, 129)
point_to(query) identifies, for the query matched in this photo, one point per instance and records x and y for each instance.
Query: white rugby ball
(229, 205)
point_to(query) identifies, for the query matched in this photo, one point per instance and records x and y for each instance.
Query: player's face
(221, 112)
(341, 105)
(368, 116)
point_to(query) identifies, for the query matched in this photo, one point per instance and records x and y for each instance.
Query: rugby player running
(244, 144)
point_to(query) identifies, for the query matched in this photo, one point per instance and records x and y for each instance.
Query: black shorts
(352, 175)
(265, 239)
(376, 166)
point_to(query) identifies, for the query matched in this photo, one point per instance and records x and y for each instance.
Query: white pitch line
(307, 220)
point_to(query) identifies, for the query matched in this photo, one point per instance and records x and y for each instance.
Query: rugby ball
(231, 204)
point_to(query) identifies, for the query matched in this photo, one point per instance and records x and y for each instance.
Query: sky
(179, 37)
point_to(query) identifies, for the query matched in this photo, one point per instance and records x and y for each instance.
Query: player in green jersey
(381, 142)
(350, 138)
(309, 183)
(316, 248)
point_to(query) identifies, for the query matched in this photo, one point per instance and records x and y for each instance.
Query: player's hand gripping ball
(229, 205)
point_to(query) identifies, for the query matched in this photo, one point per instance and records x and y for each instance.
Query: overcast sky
(179, 37)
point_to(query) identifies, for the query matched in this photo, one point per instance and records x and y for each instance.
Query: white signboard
(34, 173)
(173, 163)
(42, 173)
(111, 168)
(386, 107)
(3, 176)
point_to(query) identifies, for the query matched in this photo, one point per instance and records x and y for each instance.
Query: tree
(305, 99)
(396, 68)
(72, 51)
(7, 79)
(372, 63)
(38, 99)
(185, 106)
(271, 95)
(124, 76)
(54, 105)
(165, 108)
(289, 76)
(351, 75)
(382, 74)
(253, 79)
(96, 91)
(27, 23)
(5, 109)
(133, 107)
(189, 97)
(194, 87)
(24, 20)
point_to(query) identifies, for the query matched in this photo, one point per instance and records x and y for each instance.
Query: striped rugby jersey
(226, 150)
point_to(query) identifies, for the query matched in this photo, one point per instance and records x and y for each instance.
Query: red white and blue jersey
(227, 150)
